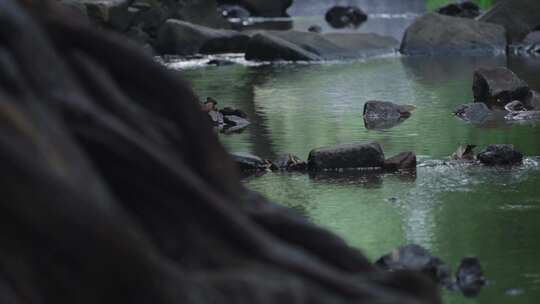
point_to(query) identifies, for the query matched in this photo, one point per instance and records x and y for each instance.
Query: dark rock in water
(231, 111)
(439, 34)
(216, 118)
(386, 110)
(220, 62)
(290, 162)
(183, 38)
(500, 155)
(515, 106)
(416, 258)
(112, 14)
(250, 163)
(233, 11)
(345, 16)
(315, 29)
(464, 152)
(465, 9)
(403, 161)
(498, 86)
(346, 156)
(522, 116)
(475, 113)
(530, 46)
(264, 8)
(519, 17)
(308, 46)
(234, 123)
(532, 102)
(470, 276)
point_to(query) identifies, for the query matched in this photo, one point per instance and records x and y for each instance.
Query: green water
(452, 210)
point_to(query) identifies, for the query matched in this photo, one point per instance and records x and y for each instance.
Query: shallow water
(453, 210)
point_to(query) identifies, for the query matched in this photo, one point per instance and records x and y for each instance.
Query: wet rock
(405, 161)
(519, 17)
(416, 258)
(264, 8)
(220, 62)
(522, 116)
(374, 109)
(470, 276)
(530, 46)
(532, 102)
(345, 16)
(234, 123)
(112, 14)
(439, 34)
(290, 162)
(183, 38)
(315, 29)
(216, 118)
(464, 152)
(231, 111)
(309, 46)
(514, 106)
(233, 11)
(475, 113)
(465, 9)
(498, 86)
(500, 155)
(249, 163)
(345, 156)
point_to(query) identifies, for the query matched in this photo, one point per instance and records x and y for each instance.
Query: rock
(465, 9)
(439, 34)
(532, 38)
(231, 111)
(220, 62)
(345, 16)
(475, 113)
(416, 258)
(470, 276)
(216, 118)
(500, 155)
(112, 14)
(519, 17)
(498, 86)
(315, 29)
(346, 156)
(532, 102)
(514, 106)
(402, 161)
(249, 163)
(523, 116)
(290, 162)
(386, 110)
(233, 11)
(183, 38)
(262, 8)
(308, 46)
(464, 152)
(234, 123)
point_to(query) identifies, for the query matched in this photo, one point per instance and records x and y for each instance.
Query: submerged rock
(384, 114)
(405, 161)
(184, 38)
(346, 156)
(439, 34)
(498, 86)
(309, 46)
(249, 163)
(470, 276)
(514, 106)
(416, 258)
(475, 113)
(290, 162)
(465, 9)
(519, 17)
(345, 16)
(500, 155)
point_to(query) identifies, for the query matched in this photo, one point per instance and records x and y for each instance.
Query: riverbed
(451, 209)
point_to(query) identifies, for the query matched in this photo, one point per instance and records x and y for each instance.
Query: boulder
(309, 46)
(249, 163)
(234, 123)
(519, 17)
(290, 162)
(475, 113)
(416, 258)
(233, 11)
(470, 276)
(465, 9)
(405, 161)
(346, 156)
(183, 38)
(498, 86)
(500, 155)
(112, 14)
(386, 110)
(439, 34)
(345, 16)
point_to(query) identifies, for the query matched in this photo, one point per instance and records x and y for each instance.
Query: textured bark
(116, 190)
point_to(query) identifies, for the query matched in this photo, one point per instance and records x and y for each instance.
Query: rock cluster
(226, 120)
